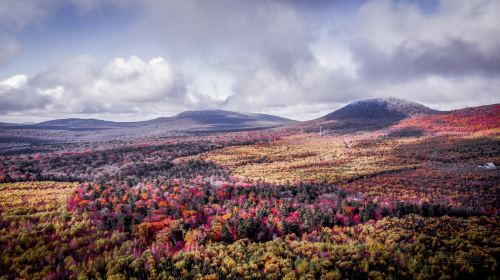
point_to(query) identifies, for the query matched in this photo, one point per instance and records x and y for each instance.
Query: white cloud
(14, 82)
(17, 96)
(447, 93)
(135, 80)
(81, 85)
(335, 57)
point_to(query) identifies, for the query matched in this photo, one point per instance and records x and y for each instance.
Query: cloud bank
(273, 56)
(84, 86)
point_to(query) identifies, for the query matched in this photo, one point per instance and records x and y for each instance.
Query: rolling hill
(76, 122)
(484, 119)
(199, 121)
(380, 108)
(367, 115)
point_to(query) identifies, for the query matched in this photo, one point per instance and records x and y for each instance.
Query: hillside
(484, 119)
(366, 115)
(217, 120)
(3, 124)
(380, 108)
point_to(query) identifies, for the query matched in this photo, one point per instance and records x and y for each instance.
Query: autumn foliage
(412, 201)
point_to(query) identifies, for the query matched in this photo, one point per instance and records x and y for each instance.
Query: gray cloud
(22, 100)
(293, 58)
(8, 48)
(16, 15)
(269, 47)
(455, 59)
(228, 31)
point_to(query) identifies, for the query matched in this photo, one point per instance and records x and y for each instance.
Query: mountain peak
(76, 122)
(380, 108)
(213, 117)
(208, 113)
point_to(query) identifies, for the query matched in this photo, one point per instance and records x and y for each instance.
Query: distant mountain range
(363, 115)
(201, 121)
(75, 122)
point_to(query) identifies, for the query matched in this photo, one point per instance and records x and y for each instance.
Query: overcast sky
(140, 59)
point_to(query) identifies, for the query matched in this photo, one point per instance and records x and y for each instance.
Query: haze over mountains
(378, 108)
(362, 115)
(359, 116)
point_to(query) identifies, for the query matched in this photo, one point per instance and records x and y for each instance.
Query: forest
(267, 204)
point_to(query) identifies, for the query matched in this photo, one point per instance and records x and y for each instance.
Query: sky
(128, 60)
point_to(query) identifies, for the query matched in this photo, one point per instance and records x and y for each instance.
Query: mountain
(75, 122)
(195, 121)
(380, 108)
(221, 116)
(217, 120)
(2, 124)
(367, 115)
(218, 117)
